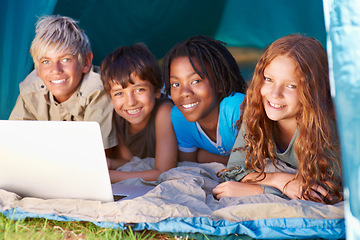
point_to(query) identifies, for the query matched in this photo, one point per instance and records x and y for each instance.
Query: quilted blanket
(182, 201)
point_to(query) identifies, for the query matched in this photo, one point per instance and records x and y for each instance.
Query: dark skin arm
(202, 156)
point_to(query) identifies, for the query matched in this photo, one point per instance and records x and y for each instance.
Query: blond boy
(64, 85)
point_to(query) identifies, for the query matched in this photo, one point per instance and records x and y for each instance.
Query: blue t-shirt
(190, 135)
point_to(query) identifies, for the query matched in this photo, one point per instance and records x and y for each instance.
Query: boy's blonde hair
(58, 33)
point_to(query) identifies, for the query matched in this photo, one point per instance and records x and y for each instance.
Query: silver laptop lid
(53, 159)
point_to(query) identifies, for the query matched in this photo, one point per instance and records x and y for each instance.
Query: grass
(39, 228)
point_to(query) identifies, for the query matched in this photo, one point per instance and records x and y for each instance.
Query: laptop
(58, 159)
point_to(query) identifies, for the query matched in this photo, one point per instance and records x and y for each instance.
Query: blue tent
(157, 23)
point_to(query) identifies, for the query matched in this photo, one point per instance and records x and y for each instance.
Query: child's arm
(166, 149)
(204, 156)
(279, 180)
(236, 189)
(286, 183)
(166, 144)
(187, 156)
(20, 112)
(121, 155)
(29, 93)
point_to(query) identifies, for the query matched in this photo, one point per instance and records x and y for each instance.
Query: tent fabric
(259, 23)
(182, 201)
(17, 21)
(343, 31)
(157, 23)
(160, 24)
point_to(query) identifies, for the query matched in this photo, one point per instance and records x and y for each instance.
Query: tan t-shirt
(90, 102)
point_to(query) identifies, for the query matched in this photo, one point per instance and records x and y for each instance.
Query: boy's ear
(87, 62)
(157, 93)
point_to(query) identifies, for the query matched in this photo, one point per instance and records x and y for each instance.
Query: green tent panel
(157, 23)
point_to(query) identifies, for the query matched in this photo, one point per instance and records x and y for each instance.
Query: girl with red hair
(287, 144)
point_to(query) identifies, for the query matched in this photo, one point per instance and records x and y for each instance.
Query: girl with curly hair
(287, 144)
(207, 88)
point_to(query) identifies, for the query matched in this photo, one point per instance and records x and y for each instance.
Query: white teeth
(133, 111)
(58, 81)
(190, 105)
(276, 105)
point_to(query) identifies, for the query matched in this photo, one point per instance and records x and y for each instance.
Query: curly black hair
(212, 53)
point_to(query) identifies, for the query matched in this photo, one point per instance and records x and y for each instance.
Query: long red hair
(316, 119)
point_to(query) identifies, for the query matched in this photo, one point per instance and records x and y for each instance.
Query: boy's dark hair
(206, 50)
(117, 67)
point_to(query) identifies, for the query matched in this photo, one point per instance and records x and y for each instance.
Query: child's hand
(285, 182)
(236, 189)
(293, 190)
(114, 176)
(114, 164)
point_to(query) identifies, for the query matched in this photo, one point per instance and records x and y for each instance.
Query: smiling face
(195, 97)
(62, 73)
(279, 93)
(135, 102)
